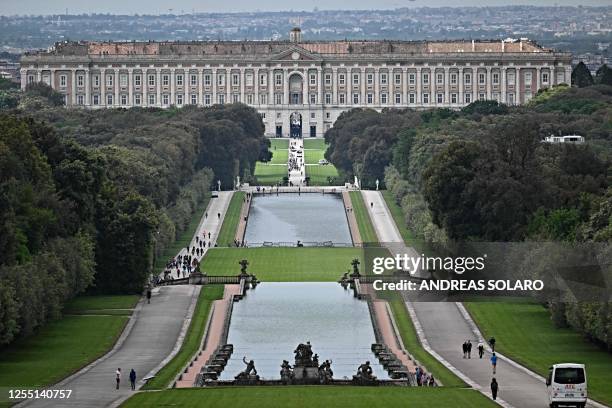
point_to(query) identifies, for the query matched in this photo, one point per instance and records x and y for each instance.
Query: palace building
(297, 86)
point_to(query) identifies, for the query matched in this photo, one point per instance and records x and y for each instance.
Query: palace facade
(297, 86)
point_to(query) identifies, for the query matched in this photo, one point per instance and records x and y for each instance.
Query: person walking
(494, 388)
(469, 348)
(219, 215)
(118, 377)
(133, 379)
(464, 348)
(480, 349)
(492, 344)
(494, 362)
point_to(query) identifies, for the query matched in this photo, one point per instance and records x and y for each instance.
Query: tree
(604, 75)
(581, 76)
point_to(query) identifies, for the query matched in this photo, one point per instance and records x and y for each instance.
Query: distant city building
(297, 81)
(564, 139)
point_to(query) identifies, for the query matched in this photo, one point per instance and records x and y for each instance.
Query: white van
(567, 385)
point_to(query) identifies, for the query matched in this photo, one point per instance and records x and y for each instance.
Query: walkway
(352, 220)
(297, 173)
(442, 327)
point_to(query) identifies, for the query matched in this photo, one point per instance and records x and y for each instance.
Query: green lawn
(312, 396)
(313, 156)
(279, 144)
(268, 174)
(168, 373)
(231, 220)
(320, 175)
(64, 346)
(283, 264)
(366, 229)
(318, 144)
(120, 305)
(280, 156)
(526, 334)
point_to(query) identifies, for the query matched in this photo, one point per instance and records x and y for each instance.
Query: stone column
(447, 86)
(538, 80)
(517, 86)
(334, 86)
(117, 73)
(242, 79)
(173, 86)
(256, 86)
(200, 86)
(271, 86)
(285, 86)
(405, 86)
(213, 82)
(320, 85)
(38, 75)
(73, 91)
(145, 87)
(228, 86)
(460, 96)
(568, 74)
(24, 78)
(419, 95)
(103, 87)
(489, 83)
(504, 80)
(87, 87)
(158, 87)
(377, 86)
(131, 86)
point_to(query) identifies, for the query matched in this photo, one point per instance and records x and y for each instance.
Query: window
(151, 99)
(278, 79)
(137, 80)
(80, 80)
(355, 79)
(453, 79)
(383, 79)
(151, 80)
(341, 79)
(278, 115)
(221, 79)
(96, 99)
(312, 115)
(193, 80)
(30, 79)
(235, 79)
(544, 77)
(398, 98)
(355, 99)
(439, 79)
(468, 98)
(313, 79)
(248, 79)
(342, 98)
(221, 99)
(328, 79)
(425, 98)
(263, 115)
(370, 98)
(278, 99)
(328, 98)
(481, 78)
(96, 80)
(62, 81)
(165, 80)
(313, 98)
(510, 78)
(425, 79)
(383, 98)
(263, 99)
(179, 99)
(411, 78)
(454, 98)
(528, 78)
(109, 99)
(137, 99)
(80, 100)
(398, 79)
(495, 96)
(206, 79)
(327, 116)
(207, 99)
(165, 99)
(235, 98)
(179, 80)
(250, 99)
(468, 79)
(481, 97)
(123, 80)
(194, 99)
(496, 78)
(263, 79)
(124, 99)
(440, 98)
(370, 79)
(411, 98)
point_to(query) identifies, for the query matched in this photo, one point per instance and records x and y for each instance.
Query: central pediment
(296, 53)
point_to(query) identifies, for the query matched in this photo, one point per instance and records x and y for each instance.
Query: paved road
(444, 329)
(153, 336)
(297, 177)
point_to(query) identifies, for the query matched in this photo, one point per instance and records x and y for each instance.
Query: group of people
(424, 379)
(132, 379)
(466, 348)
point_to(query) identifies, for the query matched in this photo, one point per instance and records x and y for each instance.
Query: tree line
(484, 174)
(86, 197)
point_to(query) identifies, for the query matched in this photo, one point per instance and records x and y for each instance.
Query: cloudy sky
(9, 7)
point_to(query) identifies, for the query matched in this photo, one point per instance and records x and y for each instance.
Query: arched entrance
(295, 125)
(296, 88)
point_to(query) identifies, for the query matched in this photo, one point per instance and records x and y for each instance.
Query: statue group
(364, 375)
(249, 375)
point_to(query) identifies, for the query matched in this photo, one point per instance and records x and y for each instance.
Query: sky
(11, 7)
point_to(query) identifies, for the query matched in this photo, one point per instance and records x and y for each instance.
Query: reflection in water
(273, 319)
(290, 217)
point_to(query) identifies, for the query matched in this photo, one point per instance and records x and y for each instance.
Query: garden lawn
(64, 346)
(279, 144)
(168, 373)
(366, 229)
(320, 175)
(270, 174)
(313, 396)
(282, 264)
(525, 333)
(231, 220)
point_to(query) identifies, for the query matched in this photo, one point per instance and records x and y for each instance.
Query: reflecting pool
(289, 217)
(268, 324)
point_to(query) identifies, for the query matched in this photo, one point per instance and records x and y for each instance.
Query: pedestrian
(480, 349)
(148, 295)
(469, 348)
(492, 344)
(219, 215)
(209, 236)
(494, 388)
(133, 379)
(432, 381)
(464, 348)
(206, 214)
(118, 377)
(371, 205)
(494, 362)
